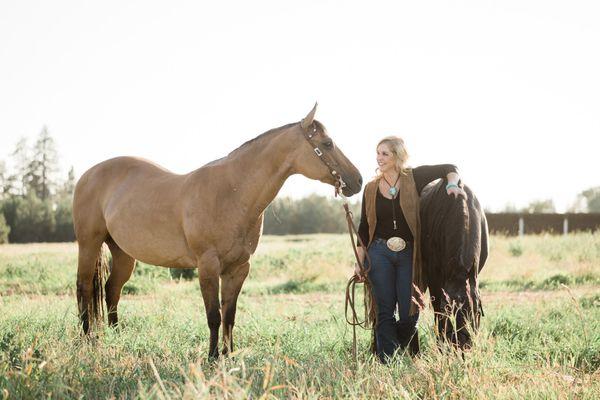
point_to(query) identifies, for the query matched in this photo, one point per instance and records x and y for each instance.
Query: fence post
(521, 226)
(565, 226)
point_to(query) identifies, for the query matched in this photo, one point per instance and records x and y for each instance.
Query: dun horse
(210, 219)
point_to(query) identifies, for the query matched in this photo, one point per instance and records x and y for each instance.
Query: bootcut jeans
(391, 280)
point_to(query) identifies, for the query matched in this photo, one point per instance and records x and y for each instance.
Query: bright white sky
(507, 90)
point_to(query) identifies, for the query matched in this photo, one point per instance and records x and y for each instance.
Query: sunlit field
(540, 336)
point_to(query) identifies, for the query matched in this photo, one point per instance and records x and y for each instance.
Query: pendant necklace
(393, 191)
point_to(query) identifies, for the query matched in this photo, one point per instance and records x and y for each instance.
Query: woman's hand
(456, 191)
(358, 273)
(357, 270)
(452, 187)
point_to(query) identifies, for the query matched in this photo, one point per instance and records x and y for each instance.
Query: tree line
(312, 214)
(588, 201)
(35, 199)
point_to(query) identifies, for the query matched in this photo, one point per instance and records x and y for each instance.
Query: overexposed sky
(507, 90)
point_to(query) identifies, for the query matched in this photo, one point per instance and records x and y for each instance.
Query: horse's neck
(259, 172)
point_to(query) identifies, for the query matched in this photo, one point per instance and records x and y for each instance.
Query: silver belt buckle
(396, 243)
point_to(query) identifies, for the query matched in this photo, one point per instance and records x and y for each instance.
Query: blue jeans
(391, 280)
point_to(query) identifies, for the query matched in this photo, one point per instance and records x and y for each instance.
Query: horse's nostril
(360, 181)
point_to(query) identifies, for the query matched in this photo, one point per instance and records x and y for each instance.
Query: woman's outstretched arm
(428, 173)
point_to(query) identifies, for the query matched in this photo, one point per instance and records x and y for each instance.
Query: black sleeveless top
(385, 221)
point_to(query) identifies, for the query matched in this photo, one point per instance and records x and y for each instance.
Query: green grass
(540, 336)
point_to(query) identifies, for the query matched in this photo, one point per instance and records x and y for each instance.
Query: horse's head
(461, 310)
(319, 158)
(461, 295)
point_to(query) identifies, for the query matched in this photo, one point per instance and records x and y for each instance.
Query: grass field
(540, 336)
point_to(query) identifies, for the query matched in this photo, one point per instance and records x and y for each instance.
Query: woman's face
(385, 158)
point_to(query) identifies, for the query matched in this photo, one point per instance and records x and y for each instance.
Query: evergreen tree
(43, 166)
(591, 197)
(19, 180)
(4, 186)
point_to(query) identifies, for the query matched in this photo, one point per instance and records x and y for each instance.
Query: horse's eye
(328, 144)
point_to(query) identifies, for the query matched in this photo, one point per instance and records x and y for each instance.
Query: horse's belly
(160, 244)
(164, 251)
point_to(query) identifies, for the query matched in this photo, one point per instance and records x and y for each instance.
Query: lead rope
(370, 314)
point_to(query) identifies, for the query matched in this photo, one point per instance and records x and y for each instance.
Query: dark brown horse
(454, 236)
(210, 219)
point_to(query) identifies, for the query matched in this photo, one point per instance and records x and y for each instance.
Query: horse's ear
(308, 120)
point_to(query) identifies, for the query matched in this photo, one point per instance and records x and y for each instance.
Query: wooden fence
(520, 224)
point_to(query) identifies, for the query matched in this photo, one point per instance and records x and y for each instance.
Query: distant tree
(63, 221)
(4, 229)
(30, 219)
(42, 167)
(540, 206)
(67, 188)
(63, 213)
(591, 199)
(509, 208)
(18, 181)
(4, 185)
(578, 206)
(312, 214)
(278, 216)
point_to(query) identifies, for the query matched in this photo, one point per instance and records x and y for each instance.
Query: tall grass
(291, 337)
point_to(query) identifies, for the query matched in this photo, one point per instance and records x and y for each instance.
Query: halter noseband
(329, 162)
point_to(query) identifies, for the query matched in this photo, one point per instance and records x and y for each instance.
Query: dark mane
(452, 229)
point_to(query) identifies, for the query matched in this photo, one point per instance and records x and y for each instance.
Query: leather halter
(329, 162)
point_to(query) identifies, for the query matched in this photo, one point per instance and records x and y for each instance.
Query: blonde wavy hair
(398, 148)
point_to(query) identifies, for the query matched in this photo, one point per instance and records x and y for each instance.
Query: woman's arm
(363, 227)
(429, 173)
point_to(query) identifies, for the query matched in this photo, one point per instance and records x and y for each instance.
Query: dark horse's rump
(454, 237)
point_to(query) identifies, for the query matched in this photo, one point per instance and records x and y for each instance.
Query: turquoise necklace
(393, 191)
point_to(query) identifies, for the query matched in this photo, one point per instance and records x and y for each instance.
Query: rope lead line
(370, 315)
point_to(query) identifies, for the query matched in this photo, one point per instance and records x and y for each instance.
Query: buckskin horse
(454, 236)
(209, 219)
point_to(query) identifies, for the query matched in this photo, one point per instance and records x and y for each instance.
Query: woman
(389, 228)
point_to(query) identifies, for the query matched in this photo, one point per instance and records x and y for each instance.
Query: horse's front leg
(231, 282)
(208, 274)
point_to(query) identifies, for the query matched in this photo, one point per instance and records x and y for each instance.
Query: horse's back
(101, 181)
(138, 203)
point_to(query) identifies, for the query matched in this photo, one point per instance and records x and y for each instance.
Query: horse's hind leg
(231, 285)
(120, 273)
